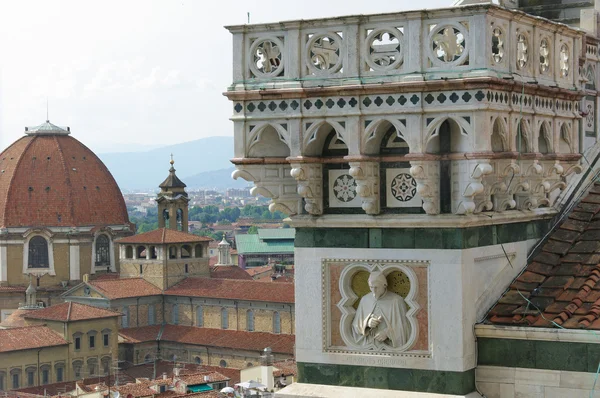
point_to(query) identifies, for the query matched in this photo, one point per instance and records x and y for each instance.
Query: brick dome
(49, 179)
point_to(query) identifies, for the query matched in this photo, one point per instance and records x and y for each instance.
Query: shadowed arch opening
(544, 143)
(564, 142)
(268, 142)
(522, 137)
(447, 138)
(321, 142)
(385, 138)
(499, 141)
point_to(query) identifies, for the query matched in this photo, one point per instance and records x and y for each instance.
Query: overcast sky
(135, 73)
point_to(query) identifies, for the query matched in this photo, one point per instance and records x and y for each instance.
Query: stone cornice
(484, 82)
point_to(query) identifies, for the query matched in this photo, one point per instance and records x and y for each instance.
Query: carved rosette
(366, 175)
(272, 181)
(309, 177)
(474, 186)
(427, 175)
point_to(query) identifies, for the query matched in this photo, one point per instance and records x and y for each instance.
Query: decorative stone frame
(348, 297)
(527, 31)
(111, 251)
(46, 234)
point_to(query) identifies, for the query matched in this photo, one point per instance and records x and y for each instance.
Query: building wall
(207, 355)
(505, 382)
(164, 275)
(21, 361)
(237, 314)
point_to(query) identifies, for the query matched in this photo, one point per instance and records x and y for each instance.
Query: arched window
(224, 318)
(77, 367)
(198, 360)
(148, 358)
(105, 366)
(38, 252)
(250, 320)
(223, 363)
(179, 219)
(186, 251)
(198, 251)
(129, 252)
(102, 250)
(175, 314)
(166, 216)
(276, 322)
(200, 316)
(249, 365)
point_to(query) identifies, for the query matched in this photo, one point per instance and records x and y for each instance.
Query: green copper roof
(277, 233)
(252, 244)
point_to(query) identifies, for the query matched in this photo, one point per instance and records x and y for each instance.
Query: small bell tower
(173, 202)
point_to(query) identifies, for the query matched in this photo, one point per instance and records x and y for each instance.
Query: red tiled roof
(49, 175)
(234, 339)
(148, 370)
(562, 280)
(253, 271)
(229, 272)
(162, 236)
(71, 311)
(123, 288)
(29, 337)
(275, 277)
(234, 289)
(286, 368)
(16, 319)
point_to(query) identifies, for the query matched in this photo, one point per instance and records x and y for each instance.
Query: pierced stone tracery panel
(448, 45)
(498, 39)
(324, 53)
(384, 49)
(266, 57)
(522, 50)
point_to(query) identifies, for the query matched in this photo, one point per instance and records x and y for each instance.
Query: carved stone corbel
(529, 194)
(366, 175)
(309, 177)
(427, 176)
(481, 168)
(272, 181)
(503, 190)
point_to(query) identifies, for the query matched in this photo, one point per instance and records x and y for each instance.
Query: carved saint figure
(381, 316)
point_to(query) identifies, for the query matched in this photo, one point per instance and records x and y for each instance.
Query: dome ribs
(70, 206)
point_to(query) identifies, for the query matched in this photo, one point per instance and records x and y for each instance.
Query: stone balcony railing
(470, 41)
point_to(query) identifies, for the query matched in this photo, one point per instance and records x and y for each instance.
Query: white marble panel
(401, 189)
(342, 190)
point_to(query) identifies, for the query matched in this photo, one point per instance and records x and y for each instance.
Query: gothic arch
(523, 136)
(545, 138)
(317, 133)
(375, 132)
(565, 141)
(500, 138)
(268, 140)
(459, 127)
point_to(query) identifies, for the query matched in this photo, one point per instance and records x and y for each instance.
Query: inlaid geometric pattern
(342, 190)
(401, 189)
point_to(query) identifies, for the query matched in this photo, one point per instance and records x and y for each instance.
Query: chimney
(164, 375)
(207, 378)
(176, 371)
(267, 358)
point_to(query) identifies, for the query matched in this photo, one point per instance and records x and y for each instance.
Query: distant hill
(145, 170)
(217, 179)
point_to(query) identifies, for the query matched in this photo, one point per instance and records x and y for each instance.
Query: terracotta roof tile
(563, 280)
(229, 272)
(16, 319)
(71, 311)
(162, 236)
(234, 289)
(235, 339)
(25, 338)
(123, 288)
(46, 175)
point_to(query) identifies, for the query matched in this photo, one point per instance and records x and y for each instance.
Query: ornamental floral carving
(522, 51)
(384, 49)
(324, 53)
(497, 45)
(266, 59)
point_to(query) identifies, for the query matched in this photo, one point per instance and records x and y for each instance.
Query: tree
(253, 229)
